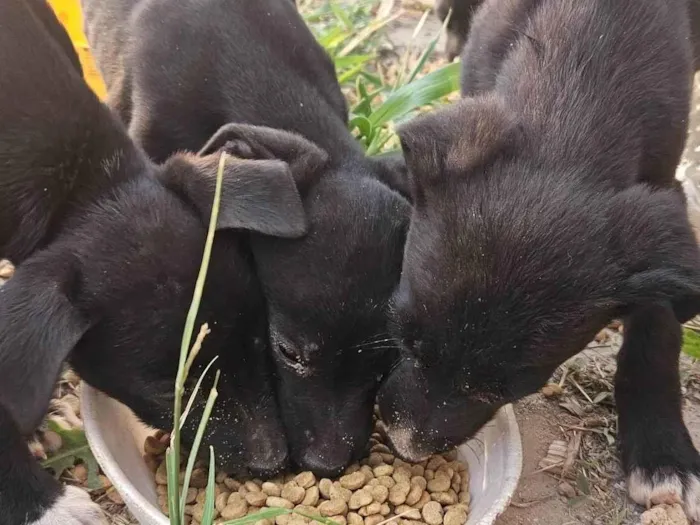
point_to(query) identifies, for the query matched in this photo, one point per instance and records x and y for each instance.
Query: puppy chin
(402, 440)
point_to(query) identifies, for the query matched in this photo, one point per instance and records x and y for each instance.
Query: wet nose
(324, 465)
(267, 453)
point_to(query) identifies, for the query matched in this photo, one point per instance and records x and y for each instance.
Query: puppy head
(327, 296)
(128, 266)
(509, 270)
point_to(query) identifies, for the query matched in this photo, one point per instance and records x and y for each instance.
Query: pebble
(256, 499)
(311, 497)
(293, 492)
(333, 507)
(305, 479)
(271, 489)
(455, 517)
(360, 498)
(275, 502)
(398, 493)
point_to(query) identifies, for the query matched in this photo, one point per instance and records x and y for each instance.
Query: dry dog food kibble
(380, 489)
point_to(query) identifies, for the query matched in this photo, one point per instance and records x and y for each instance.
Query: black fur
(546, 205)
(196, 66)
(109, 246)
(463, 11)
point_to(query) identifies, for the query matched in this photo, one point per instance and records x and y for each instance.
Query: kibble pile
(380, 489)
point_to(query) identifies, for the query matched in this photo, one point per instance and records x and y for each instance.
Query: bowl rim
(136, 500)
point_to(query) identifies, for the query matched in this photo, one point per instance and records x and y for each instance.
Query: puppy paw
(666, 487)
(73, 507)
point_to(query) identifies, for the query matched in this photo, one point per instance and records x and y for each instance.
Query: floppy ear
(657, 248)
(257, 195)
(456, 142)
(39, 326)
(306, 160)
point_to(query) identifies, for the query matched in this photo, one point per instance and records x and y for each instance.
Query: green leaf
(419, 93)
(173, 468)
(269, 514)
(341, 16)
(363, 125)
(208, 514)
(691, 343)
(75, 449)
(428, 51)
(351, 61)
(333, 38)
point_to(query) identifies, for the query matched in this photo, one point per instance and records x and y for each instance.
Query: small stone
(432, 513)
(353, 481)
(388, 458)
(340, 520)
(552, 390)
(283, 519)
(7, 269)
(305, 479)
(374, 520)
(263, 522)
(293, 492)
(115, 497)
(379, 493)
(339, 492)
(360, 498)
(664, 515)
(455, 517)
(311, 497)
(355, 519)
(333, 507)
(441, 483)
(464, 497)
(429, 474)
(80, 473)
(52, 441)
(368, 473)
(385, 509)
(324, 487)
(383, 470)
(399, 492)
(417, 470)
(275, 502)
(566, 490)
(352, 469)
(271, 489)
(220, 477)
(256, 499)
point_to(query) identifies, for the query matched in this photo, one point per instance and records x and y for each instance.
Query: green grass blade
(198, 439)
(691, 343)
(428, 51)
(173, 472)
(378, 142)
(208, 514)
(333, 38)
(190, 401)
(194, 309)
(341, 16)
(351, 61)
(419, 93)
(366, 33)
(269, 514)
(403, 64)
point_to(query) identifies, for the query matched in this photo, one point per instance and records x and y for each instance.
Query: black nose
(324, 465)
(268, 467)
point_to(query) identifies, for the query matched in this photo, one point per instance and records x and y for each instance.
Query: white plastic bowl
(116, 438)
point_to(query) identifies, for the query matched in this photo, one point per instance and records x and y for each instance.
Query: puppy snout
(327, 464)
(404, 441)
(267, 454)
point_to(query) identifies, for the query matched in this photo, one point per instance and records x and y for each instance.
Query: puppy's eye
(288, 353)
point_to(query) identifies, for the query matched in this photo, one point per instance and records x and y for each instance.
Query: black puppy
(463, 12)
(545, 205)
(177, 72)
(109, 248)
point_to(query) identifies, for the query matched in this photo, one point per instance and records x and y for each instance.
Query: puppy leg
(658, 456)
(29, 495)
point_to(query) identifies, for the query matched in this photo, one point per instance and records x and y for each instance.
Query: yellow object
(68, 12)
